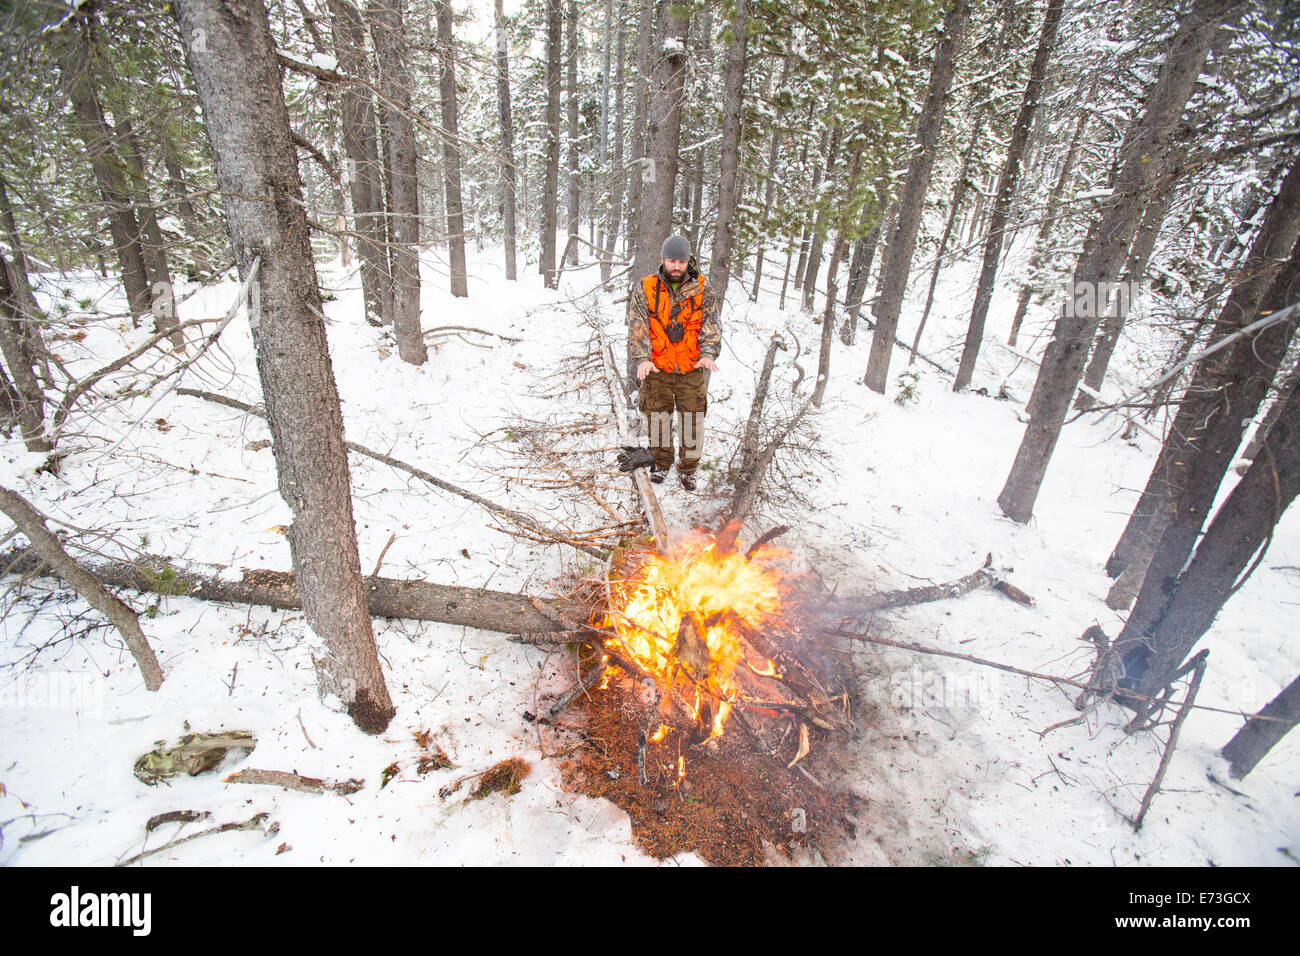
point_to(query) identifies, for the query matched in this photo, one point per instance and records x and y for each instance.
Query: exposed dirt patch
(724, 800)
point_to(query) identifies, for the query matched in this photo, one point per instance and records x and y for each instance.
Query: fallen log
(489, 610)
(386, 597)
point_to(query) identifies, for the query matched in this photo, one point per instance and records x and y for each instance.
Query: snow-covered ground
(953, 767)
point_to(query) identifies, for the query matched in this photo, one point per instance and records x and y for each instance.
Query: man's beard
(675, 274)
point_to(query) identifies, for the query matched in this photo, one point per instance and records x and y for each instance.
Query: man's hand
(707, 363)
(644, 369)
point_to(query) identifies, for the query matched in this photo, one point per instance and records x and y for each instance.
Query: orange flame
(681, 616)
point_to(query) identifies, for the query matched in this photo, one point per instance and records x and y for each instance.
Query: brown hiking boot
(657, 474)
(687, 479)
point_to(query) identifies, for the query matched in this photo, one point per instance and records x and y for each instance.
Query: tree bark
(1227, 388)
(364, 169)
(1263, 732)
(818, 237)
(180, 191)
(954, 207)
(389, 33)
(26, 305)
(646, 26)
(1143, 164)
(550, 191)
(733, 89)
(238, 81)
(153, 245)
(94, 131)
(614, 212)
(903, 241)
(1140, 253)
(451, 151)
(1241, 528)
(1111, 327)
(1198, 452)
(1007, 182)
(19, 356)
(864, 254)
(571, 110)
(507, 142)
(1053, 210)
(664, 135)
(385, 597)
(769, 187)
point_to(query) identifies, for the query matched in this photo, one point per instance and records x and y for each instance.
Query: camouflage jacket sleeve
(638, 324)
(710, 328)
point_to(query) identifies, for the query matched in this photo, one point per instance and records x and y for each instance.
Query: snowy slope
(953, 768)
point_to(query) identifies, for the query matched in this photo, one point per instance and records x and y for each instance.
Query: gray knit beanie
(676, 247)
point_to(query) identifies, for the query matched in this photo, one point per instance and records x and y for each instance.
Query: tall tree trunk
(614, 212)
(640, 171)
(1262, 732)
(550, 192)
(507, 141)
(860, 272)
(571, 104)
(954, 207)
(365, 172)
(1141, 168)
(664, 135)
(389, 33)
(180, 191)
(695, 209)
(1228, 392)
(903, 242)
(1053, 210)
(703, 91)
(853, 291)
(93, 129)
(1007, 15)
(20, 357)
(819, 169)
(773, 152)
(1144, 244)
(1222, 562)
(1007, 182)
(1270, 417)
(451, 151)
(238, 82)
(33, 315)
(819, 225)
(153, 245)
(828, 321)
(1227, 388)
(600, 187)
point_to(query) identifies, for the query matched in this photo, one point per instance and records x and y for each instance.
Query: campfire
(710, 682)
(682, 620)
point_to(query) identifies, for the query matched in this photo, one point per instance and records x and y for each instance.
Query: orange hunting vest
(669, 356)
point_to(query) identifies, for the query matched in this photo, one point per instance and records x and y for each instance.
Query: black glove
(632, 458)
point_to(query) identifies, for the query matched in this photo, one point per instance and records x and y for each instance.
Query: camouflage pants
(666, 396)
